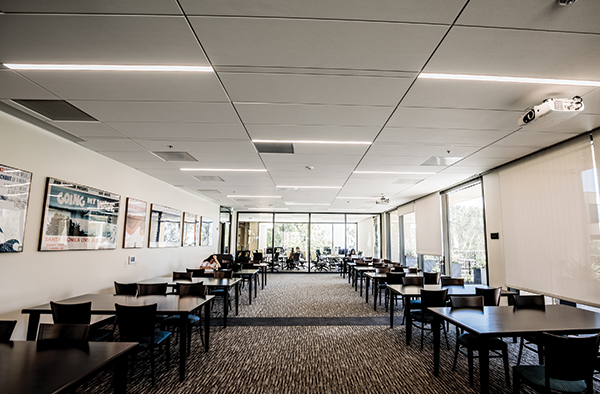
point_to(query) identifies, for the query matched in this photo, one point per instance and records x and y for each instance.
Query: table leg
(206, 325)
(367, 283)
(484, 366)
(391, 307)
(120, 374)
(255, 285)
(362, 276)
(408, 317)
(436, 343)
(32, 326)
(237, 297)
(250, 279)
(225, 306)
(376, 291)
(183, 329)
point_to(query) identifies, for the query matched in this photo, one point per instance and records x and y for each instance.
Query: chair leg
(168, 352)
(516, 382)
(152, 365)
(506, 366)
(520, 352)
(422, 334)
(456, 353)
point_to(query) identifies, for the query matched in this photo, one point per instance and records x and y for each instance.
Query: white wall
(31, 277)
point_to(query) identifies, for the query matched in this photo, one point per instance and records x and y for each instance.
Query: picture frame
(78, 217)
(206, 232)
(191, 226)
(165, 227)
(134, 234)
(15, 186)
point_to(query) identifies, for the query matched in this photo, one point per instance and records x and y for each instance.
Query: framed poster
(135, 224)
(191, 224)
(78, 217)
(206, 232)
(165, 227)
(14, 198)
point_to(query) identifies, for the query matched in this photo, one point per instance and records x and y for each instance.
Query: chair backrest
(182, 276)
(432, 278)
(191, 289)
(382, 270)
(471, 302)
(6, 329)
(395, 278)
(225, 265)
(152, 289)
(491, 297)
(529, 302)
(433, 298)
(453, 281)
(224, 274)
(196, 272)
(413, 270)
(570, 358)
(135, 321)
(376, 260)
(126, 288)
(71, 313)
(297, 256)
(257, 257)
(378, 265)
(63, 332)
(413, 281)
(248, 266)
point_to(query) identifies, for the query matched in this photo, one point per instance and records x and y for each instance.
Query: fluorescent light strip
(267, 209)
(308, 187)
(358, 198)
(106, 67)
(493, 78)
(394, 172)
(224, 169)
(306, 203)
(313, 142)
(239, 196)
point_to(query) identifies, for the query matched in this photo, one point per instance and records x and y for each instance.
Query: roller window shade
(406, 209)
(550, 223)
(428, 217)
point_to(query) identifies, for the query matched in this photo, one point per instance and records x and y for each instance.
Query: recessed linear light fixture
(356, 198)
(240, 196)
(311, 142)
(395, 172)
(267, 209)
(306, 203)
(308, 187)
(493, 78)
(106, 67)
(224, 169)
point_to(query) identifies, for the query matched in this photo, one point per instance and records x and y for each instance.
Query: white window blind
(406, 209)
(550, 223)
(428, 217)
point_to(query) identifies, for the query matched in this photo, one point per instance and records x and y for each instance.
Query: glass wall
(253, 232)
(291, 235)
(327, 240)
(466, 234)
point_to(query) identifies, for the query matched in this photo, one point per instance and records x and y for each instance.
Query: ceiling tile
(180, 131)
(312, 133)
(88, 129)
(443, 137)
(159, 7)
(14, 86)
(445, 118)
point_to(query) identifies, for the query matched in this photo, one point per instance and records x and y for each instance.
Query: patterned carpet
(269, 353)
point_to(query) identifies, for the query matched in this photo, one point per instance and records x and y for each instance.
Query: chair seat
(535, 376)
(174, 320)
(472, 341)
(159, 337)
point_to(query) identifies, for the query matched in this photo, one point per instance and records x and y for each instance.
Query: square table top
(506, 321)
(104, 304)
(26, 368)
(207, 281)
(415, 291)
(246, 272)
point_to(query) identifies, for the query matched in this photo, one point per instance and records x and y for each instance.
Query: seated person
(299, 254)
(211, 263)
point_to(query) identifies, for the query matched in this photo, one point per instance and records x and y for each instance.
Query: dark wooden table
(28, 368)
(211, 283)
(358, 273)
(505, 321)
(408, 292)
(263, 270)
(104, 304)
(252, 276)
(376, 278)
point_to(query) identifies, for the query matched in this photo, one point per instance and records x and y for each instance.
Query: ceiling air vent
(441, 161)
(55, 110)
(175, 156)
(266, 147)
(209, 178)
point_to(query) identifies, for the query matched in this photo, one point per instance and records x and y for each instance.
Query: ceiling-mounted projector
(383, 201)
(552, 111)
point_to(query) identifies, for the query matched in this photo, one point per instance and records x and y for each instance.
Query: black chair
(413, 303)
(126, 288)
(491, 297)
(79, 314)
(220, 292)
(198, 272)
(413, 270)
(453, 281)
(530, 302)
(393, 278)
(136, 324)
(429, 299)
(6, 329)
(182, 276)
(152, 289)
(187, 290)
(64, 333)
(497, 346)
(432, 278)
(569, 366)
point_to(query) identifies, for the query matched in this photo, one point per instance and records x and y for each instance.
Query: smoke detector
(383, 200)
